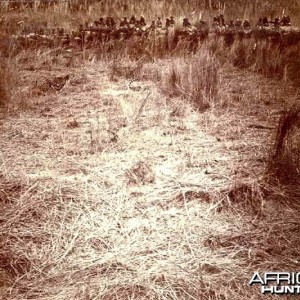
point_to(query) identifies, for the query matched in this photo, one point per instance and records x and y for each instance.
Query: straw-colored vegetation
(130, 172)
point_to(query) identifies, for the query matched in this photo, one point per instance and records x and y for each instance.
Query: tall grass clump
(273, 58)
(195, 79)
(292, 64)
(276, 60)
(243, 53)
(8, 77)
(284, 165)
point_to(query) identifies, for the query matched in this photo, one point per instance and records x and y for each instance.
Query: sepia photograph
(149, 150)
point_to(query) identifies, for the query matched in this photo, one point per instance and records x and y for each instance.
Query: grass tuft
(285, 161)
(195, 79)
(8, 83)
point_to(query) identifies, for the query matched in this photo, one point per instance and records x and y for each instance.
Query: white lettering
(290, 289)
(256, 279)
(280, 289)
(283, 282)
(266, 289)
(270, 277)
(284, 277)
(297, 288)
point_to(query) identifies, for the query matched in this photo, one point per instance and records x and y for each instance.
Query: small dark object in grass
(73, 124)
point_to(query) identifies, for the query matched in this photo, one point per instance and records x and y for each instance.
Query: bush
(4, 91)
(195, 79)
(8, 79)
(284, 165)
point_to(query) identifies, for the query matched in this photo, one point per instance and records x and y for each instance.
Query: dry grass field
(133, 173)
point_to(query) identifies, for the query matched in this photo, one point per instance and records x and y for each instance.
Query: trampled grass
(137, 173)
